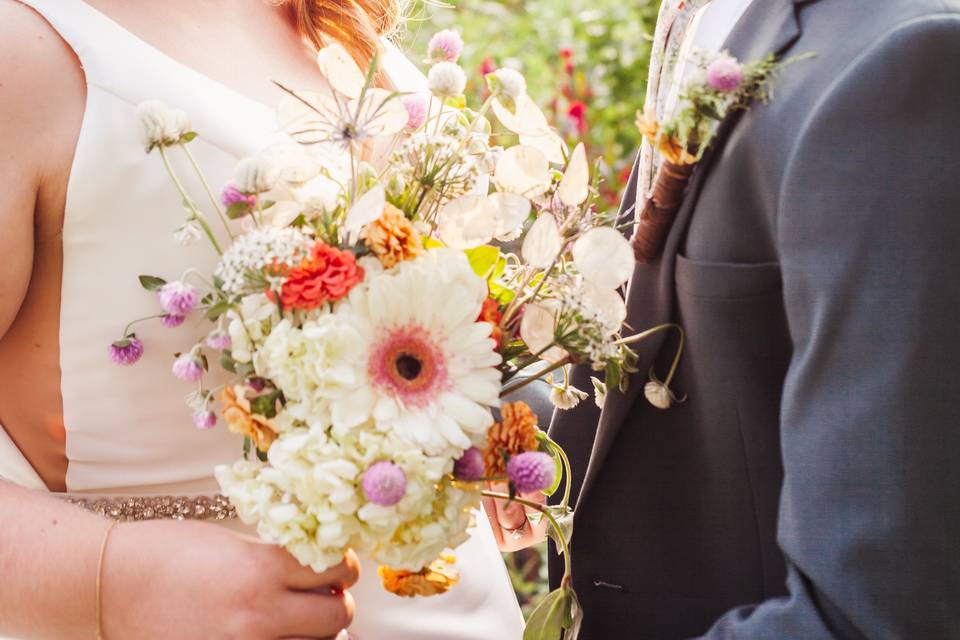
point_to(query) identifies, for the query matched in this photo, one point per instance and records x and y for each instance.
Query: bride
(84, 212)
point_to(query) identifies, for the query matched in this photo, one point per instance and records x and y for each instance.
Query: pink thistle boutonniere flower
(178, 298)
(172, 320)
(725, 74)
(127, 351)
(219, 341)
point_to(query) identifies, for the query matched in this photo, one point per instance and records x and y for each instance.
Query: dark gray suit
(815, 268)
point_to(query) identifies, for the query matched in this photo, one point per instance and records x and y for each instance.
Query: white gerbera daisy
(430, 368)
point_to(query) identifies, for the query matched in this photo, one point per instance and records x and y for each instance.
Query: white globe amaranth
(447, 80)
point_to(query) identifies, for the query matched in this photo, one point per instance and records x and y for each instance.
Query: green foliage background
(608, 44)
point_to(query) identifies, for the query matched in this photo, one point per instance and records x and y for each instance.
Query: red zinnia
(326, 276)
(490, 312)
(578, 115)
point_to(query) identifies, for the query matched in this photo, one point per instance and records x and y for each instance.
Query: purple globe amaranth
(384, 483)
(178, 298)
(188, 367)
(127, 351)
(531, 471)
(725, 74)
(205, 419)
(445, 46)
(231, 195)
(470, 466)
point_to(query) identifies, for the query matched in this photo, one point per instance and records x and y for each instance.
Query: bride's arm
(182, 580)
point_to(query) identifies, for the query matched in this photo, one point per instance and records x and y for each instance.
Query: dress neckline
(159, 53)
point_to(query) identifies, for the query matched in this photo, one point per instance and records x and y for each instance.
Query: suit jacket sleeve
(868, 230)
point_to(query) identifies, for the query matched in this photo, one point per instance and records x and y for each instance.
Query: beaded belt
(215, 507)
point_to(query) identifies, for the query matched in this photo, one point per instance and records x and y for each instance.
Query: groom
(808, 489)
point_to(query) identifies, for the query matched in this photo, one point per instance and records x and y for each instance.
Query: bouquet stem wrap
(660, 210)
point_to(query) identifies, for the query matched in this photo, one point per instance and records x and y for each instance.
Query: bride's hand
(193, 581)
(511, 527)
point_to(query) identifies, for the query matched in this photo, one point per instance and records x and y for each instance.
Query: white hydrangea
(447, 80)
(249, 326)
(312, 365)
(566, 397)
(310, 499)
(255, 251)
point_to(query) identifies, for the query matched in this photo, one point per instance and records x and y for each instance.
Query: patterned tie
(672, 25)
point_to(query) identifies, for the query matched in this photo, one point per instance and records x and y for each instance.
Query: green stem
(126, 329)
(202, 219)
(506, 391)
(206, 187)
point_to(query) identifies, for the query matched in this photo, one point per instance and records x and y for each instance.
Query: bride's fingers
(300, 578)
(314, 616)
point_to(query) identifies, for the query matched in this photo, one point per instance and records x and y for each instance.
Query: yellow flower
(436, 578)
(648, 126)
(392, 237)
(515, 433)
(241, 419)
(673, 151)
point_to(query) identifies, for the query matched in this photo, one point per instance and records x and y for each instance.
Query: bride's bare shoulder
(42, 89)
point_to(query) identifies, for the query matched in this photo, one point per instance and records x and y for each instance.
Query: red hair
(358, 25)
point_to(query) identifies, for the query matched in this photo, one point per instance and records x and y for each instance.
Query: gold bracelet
(103, 550)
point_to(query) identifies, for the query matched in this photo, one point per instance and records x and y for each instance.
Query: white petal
(510, 211)
(543, 242)
(307, 111)
(468, 414)
(341, 70)
(575, 186)
(607, 302)
(391, 116)
(465, 222)
(548, 143)
(523, 170)
(452, 432)
(527, 119)
(604, 257)
(366, 209)
(537, 330)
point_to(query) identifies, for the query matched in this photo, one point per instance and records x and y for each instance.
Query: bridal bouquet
(371, 319)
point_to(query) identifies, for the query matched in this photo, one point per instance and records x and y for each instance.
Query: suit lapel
(768, 26)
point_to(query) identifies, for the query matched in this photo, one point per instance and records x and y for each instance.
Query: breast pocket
(726, 280)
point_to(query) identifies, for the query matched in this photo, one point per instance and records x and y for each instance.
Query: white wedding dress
(128, 431)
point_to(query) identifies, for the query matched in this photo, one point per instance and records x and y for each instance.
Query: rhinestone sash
(132, 508)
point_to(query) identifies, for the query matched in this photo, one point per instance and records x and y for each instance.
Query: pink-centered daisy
(430, 368)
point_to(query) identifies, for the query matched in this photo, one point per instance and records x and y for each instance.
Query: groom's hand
(511, 527)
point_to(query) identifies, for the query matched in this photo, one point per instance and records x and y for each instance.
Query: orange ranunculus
(392, 237)
(241, 419)
(327, 275)
(432, 580)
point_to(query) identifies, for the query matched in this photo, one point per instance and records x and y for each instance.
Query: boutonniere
(718, 86)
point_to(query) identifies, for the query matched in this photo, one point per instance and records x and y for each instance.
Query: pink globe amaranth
(725, 74)
(219, 341)
(416, 106)
(178, 298)
(231, 196)
(127, 351)
(205, 419)
(470, 466)
(188, 367)
(384, 483)
(445, 46)
(172, 320)
(531, 471)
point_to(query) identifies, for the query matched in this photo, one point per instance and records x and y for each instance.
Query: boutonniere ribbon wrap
(718, 86)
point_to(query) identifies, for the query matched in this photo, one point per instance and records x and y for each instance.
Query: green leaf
(564, 517)
(227, 361)
(247, 445)
(546, 620)
(266, 405)
(432, 243)
(218, 310)
(189, 136)
(456, 102)
(152, 283)
(574, 619)
(483, 259)
(238, 210)
(548, 446)
(262, 456)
